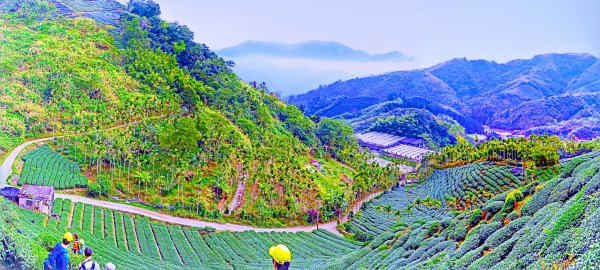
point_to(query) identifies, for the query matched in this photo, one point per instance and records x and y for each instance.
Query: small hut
(315, 163)
(36, 198)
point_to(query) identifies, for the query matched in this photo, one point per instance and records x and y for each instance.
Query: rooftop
(36, 192)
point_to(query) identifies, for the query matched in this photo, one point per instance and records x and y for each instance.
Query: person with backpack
(281, 256)
(76, 245)
(58, 259)
(81, 246)
(88, 264)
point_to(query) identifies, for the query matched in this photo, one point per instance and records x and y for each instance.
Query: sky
(430, 31)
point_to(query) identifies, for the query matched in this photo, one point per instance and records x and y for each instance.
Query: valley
(123, 128)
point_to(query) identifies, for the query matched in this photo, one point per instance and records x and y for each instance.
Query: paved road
(6, 167)
(6, 170)
(330, 226)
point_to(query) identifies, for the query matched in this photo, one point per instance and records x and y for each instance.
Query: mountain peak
(312, 49)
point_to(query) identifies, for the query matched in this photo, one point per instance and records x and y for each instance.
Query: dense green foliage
(415, 125)
(460, 188)
(151, 114)
(529, 153)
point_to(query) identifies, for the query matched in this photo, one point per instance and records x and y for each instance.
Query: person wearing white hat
(110, 266)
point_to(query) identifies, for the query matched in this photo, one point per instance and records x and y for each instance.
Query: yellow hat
(68, 236)
(280, 254)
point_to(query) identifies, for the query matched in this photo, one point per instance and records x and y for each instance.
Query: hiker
(88, 264)
(58, 259)
(81, 246)
(281, 256)
(76, 245)
(110, 266)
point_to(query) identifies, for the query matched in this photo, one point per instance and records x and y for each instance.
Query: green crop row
(45, 167)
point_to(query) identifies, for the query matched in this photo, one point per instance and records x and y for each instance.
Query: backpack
(82, 266)
(76, 246)
(52, 260)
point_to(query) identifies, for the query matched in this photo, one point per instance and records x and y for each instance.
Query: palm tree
(143, 178)
(398, 215)
(409, 209)
(388, 209)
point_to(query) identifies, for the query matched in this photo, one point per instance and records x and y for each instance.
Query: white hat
(110, 266)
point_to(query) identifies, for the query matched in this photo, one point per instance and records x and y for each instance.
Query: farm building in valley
(408, 152)
(384, 163)
(377, 140)
(395, 146)
(36, 198)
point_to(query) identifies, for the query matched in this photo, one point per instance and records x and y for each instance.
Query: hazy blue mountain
(316, 50)
(293, 68)
(547, 91)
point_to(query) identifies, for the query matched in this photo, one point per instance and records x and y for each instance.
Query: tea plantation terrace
(132, 241)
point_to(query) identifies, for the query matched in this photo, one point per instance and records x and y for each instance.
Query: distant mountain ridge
(318, 50)
(504, 95)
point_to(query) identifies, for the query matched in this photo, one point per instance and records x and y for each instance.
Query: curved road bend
(6, 167)
(6, 170)
(330, 226)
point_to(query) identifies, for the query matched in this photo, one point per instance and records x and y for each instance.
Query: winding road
(6, 171)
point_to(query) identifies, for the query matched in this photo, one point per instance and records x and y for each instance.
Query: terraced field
(45, 167)
(134, 241)
(543, 224)
(481, 180)
(546, 224)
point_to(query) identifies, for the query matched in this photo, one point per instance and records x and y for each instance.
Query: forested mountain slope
(195, 131)
(485, 91)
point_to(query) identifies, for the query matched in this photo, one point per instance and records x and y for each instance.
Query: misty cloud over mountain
(315, 50)
(294, 68)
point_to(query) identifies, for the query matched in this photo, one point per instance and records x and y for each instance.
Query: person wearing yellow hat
(58, 259)
(281, 256)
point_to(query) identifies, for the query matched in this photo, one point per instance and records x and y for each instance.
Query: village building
(315, 163)
(36, 198)
(396, 146)
(377, 140)
(385, 163)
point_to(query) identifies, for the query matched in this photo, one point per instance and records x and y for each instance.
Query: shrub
(471, 242)
(94, 190)
(475, 217)
(593, 185)
(568, 219)
(47, 240)
(509, 204)
(512, 216)
(488, 229)
(505, 233)
(493, 207)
